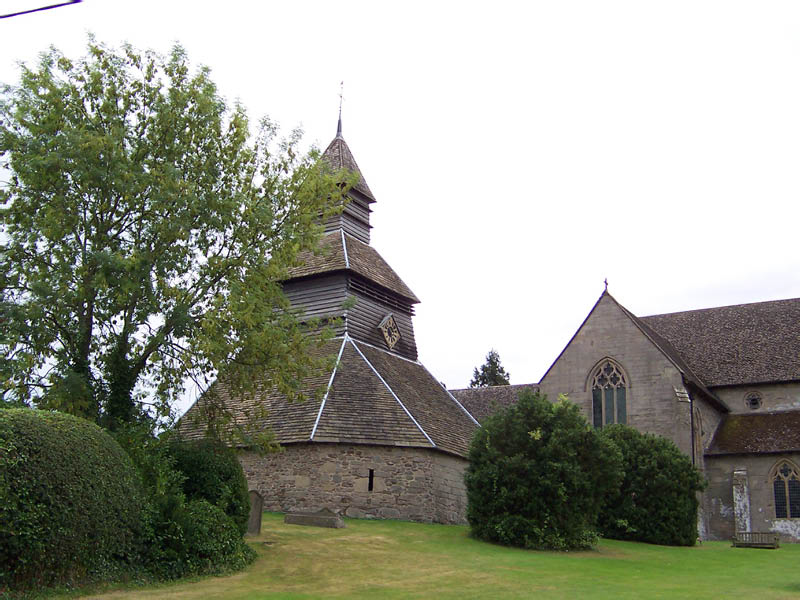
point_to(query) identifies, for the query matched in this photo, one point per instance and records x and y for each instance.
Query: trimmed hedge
(657, 500)
(70, 501)
(213, 473)
(537, 476)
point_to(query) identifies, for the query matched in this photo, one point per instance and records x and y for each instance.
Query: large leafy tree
(490, 373)
(144, 232)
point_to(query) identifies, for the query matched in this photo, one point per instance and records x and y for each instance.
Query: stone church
(722, 383)
(388, 441)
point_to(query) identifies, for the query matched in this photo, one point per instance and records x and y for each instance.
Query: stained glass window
(609, 397)
(786, 487)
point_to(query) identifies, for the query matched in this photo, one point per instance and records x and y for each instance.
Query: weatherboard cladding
(757, 433)
(736, 345)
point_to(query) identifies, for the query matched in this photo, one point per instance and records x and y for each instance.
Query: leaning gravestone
(321, 518)
(256, 508)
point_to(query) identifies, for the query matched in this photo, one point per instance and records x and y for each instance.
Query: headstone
(256, 508)
(321, 518)
(741, 500)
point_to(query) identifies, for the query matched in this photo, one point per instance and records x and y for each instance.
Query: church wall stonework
(774, 397)
(721, 503)
(414, 484)
(652, 405)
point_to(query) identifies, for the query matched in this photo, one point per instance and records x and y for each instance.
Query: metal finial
(606, 282)
(341, 97)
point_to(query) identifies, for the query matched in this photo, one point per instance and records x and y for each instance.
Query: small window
(753, 400)
(609, 395)
(371, 485)
(786, 487)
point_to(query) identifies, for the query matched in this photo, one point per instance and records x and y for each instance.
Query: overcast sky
(520, 152)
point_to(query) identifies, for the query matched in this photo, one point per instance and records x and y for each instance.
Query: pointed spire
(339, 126)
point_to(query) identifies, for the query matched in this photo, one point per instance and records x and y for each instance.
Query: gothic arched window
(786, 487)
(609, 394)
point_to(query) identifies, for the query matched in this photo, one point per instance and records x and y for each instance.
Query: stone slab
(321, 518)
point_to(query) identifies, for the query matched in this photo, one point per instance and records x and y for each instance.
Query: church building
(722, 383)
(386, 440)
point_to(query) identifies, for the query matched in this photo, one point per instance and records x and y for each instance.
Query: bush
(657, 500)
(70, 501)
(212, 472)
(537, 476)
(212, 541)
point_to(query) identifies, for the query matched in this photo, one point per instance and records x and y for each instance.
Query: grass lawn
(395, 559)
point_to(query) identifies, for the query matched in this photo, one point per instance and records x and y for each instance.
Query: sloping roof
(339, 251)
(372, 397)
(757, 433)
(338, 156)
(736, 345)
(485, 401)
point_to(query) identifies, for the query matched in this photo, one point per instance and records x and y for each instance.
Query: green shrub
(70, 501)
(537, 476)
(212, 472)
(212, 541)
(657, 500)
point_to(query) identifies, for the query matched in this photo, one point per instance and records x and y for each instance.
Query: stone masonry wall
(416, 484)
(651, 401)
(727, 475)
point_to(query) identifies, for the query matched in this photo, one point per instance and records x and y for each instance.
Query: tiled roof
(339, 156)
(485, 401)
(374, 397)
(758, 432)
(736, 345)
(338, 252)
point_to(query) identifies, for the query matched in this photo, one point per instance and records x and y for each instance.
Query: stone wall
(415, 484)
(740, 490)
(652, 404)
(774, 397)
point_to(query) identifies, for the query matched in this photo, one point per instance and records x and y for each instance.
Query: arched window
(609, 394)
(786, 486)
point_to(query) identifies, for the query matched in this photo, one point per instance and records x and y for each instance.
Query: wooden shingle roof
(339, 251)
(757, 433)
(371, 397)
(483, 402)
(338, 156)
(736, 345)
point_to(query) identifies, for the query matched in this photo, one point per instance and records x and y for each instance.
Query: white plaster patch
(787, 527)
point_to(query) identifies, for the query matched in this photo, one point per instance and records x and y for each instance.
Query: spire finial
(341, 97)
(605, 281)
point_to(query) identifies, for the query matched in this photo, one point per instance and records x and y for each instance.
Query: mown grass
(395, 559)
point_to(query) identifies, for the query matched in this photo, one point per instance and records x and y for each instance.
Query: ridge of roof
(391, 391)
(339, 156)
(328, 389)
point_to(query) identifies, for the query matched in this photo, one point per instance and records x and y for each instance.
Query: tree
(657, 499)
(537, 476)
(144, 233)
(490, 373)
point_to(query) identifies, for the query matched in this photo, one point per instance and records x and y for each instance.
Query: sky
(521, 153)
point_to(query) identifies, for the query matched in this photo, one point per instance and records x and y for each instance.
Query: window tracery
(609, 394)
(786, 487)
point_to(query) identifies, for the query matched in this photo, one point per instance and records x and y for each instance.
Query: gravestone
(256, 508)
(321, 518)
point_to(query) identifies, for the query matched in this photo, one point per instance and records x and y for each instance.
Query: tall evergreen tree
(144, 233)
(490, 373)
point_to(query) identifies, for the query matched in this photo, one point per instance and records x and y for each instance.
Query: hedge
(70, 501)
